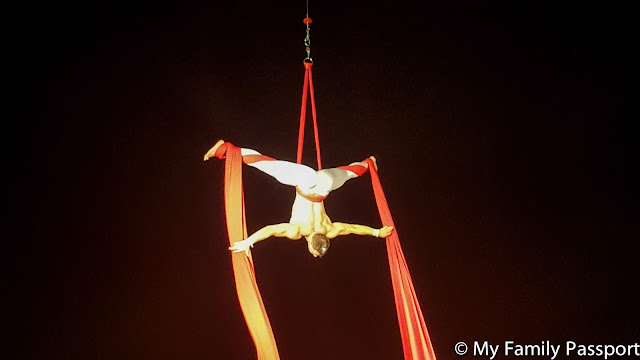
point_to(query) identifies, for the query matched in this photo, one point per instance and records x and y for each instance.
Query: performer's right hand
(242, 245)
(385, 231)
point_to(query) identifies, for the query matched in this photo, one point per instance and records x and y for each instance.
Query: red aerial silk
(415, 338)
(308, 85)
(250, 300)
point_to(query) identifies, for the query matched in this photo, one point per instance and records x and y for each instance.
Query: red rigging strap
(415, 338)
(250, 300)
(308, 87)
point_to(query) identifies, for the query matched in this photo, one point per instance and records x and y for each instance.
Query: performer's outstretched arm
(287, 230)
(346, 229)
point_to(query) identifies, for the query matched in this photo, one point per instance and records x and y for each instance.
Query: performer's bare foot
(212, 152)
(375, 163)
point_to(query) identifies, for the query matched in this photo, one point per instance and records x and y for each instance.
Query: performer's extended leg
(285, 172)
(338, 176)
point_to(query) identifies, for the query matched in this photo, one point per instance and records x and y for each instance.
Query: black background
(503, 132)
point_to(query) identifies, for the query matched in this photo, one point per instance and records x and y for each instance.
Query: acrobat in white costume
(308, 216)
(314, 184)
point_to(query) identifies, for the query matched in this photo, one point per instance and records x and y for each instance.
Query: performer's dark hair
(320, 243)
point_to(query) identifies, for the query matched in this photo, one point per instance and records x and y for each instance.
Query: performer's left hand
(243, 245)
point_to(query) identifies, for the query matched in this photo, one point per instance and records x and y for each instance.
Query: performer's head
(318, 244)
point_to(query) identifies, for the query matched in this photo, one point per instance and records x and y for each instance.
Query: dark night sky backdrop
(503, 132)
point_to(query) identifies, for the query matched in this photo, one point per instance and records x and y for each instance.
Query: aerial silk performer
(308, 216)
(309, 220)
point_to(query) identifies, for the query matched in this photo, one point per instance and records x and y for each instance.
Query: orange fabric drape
(250, 300)
(415, 338)
(308, 86)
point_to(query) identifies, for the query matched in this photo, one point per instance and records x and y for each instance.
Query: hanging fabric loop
(307, 87)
